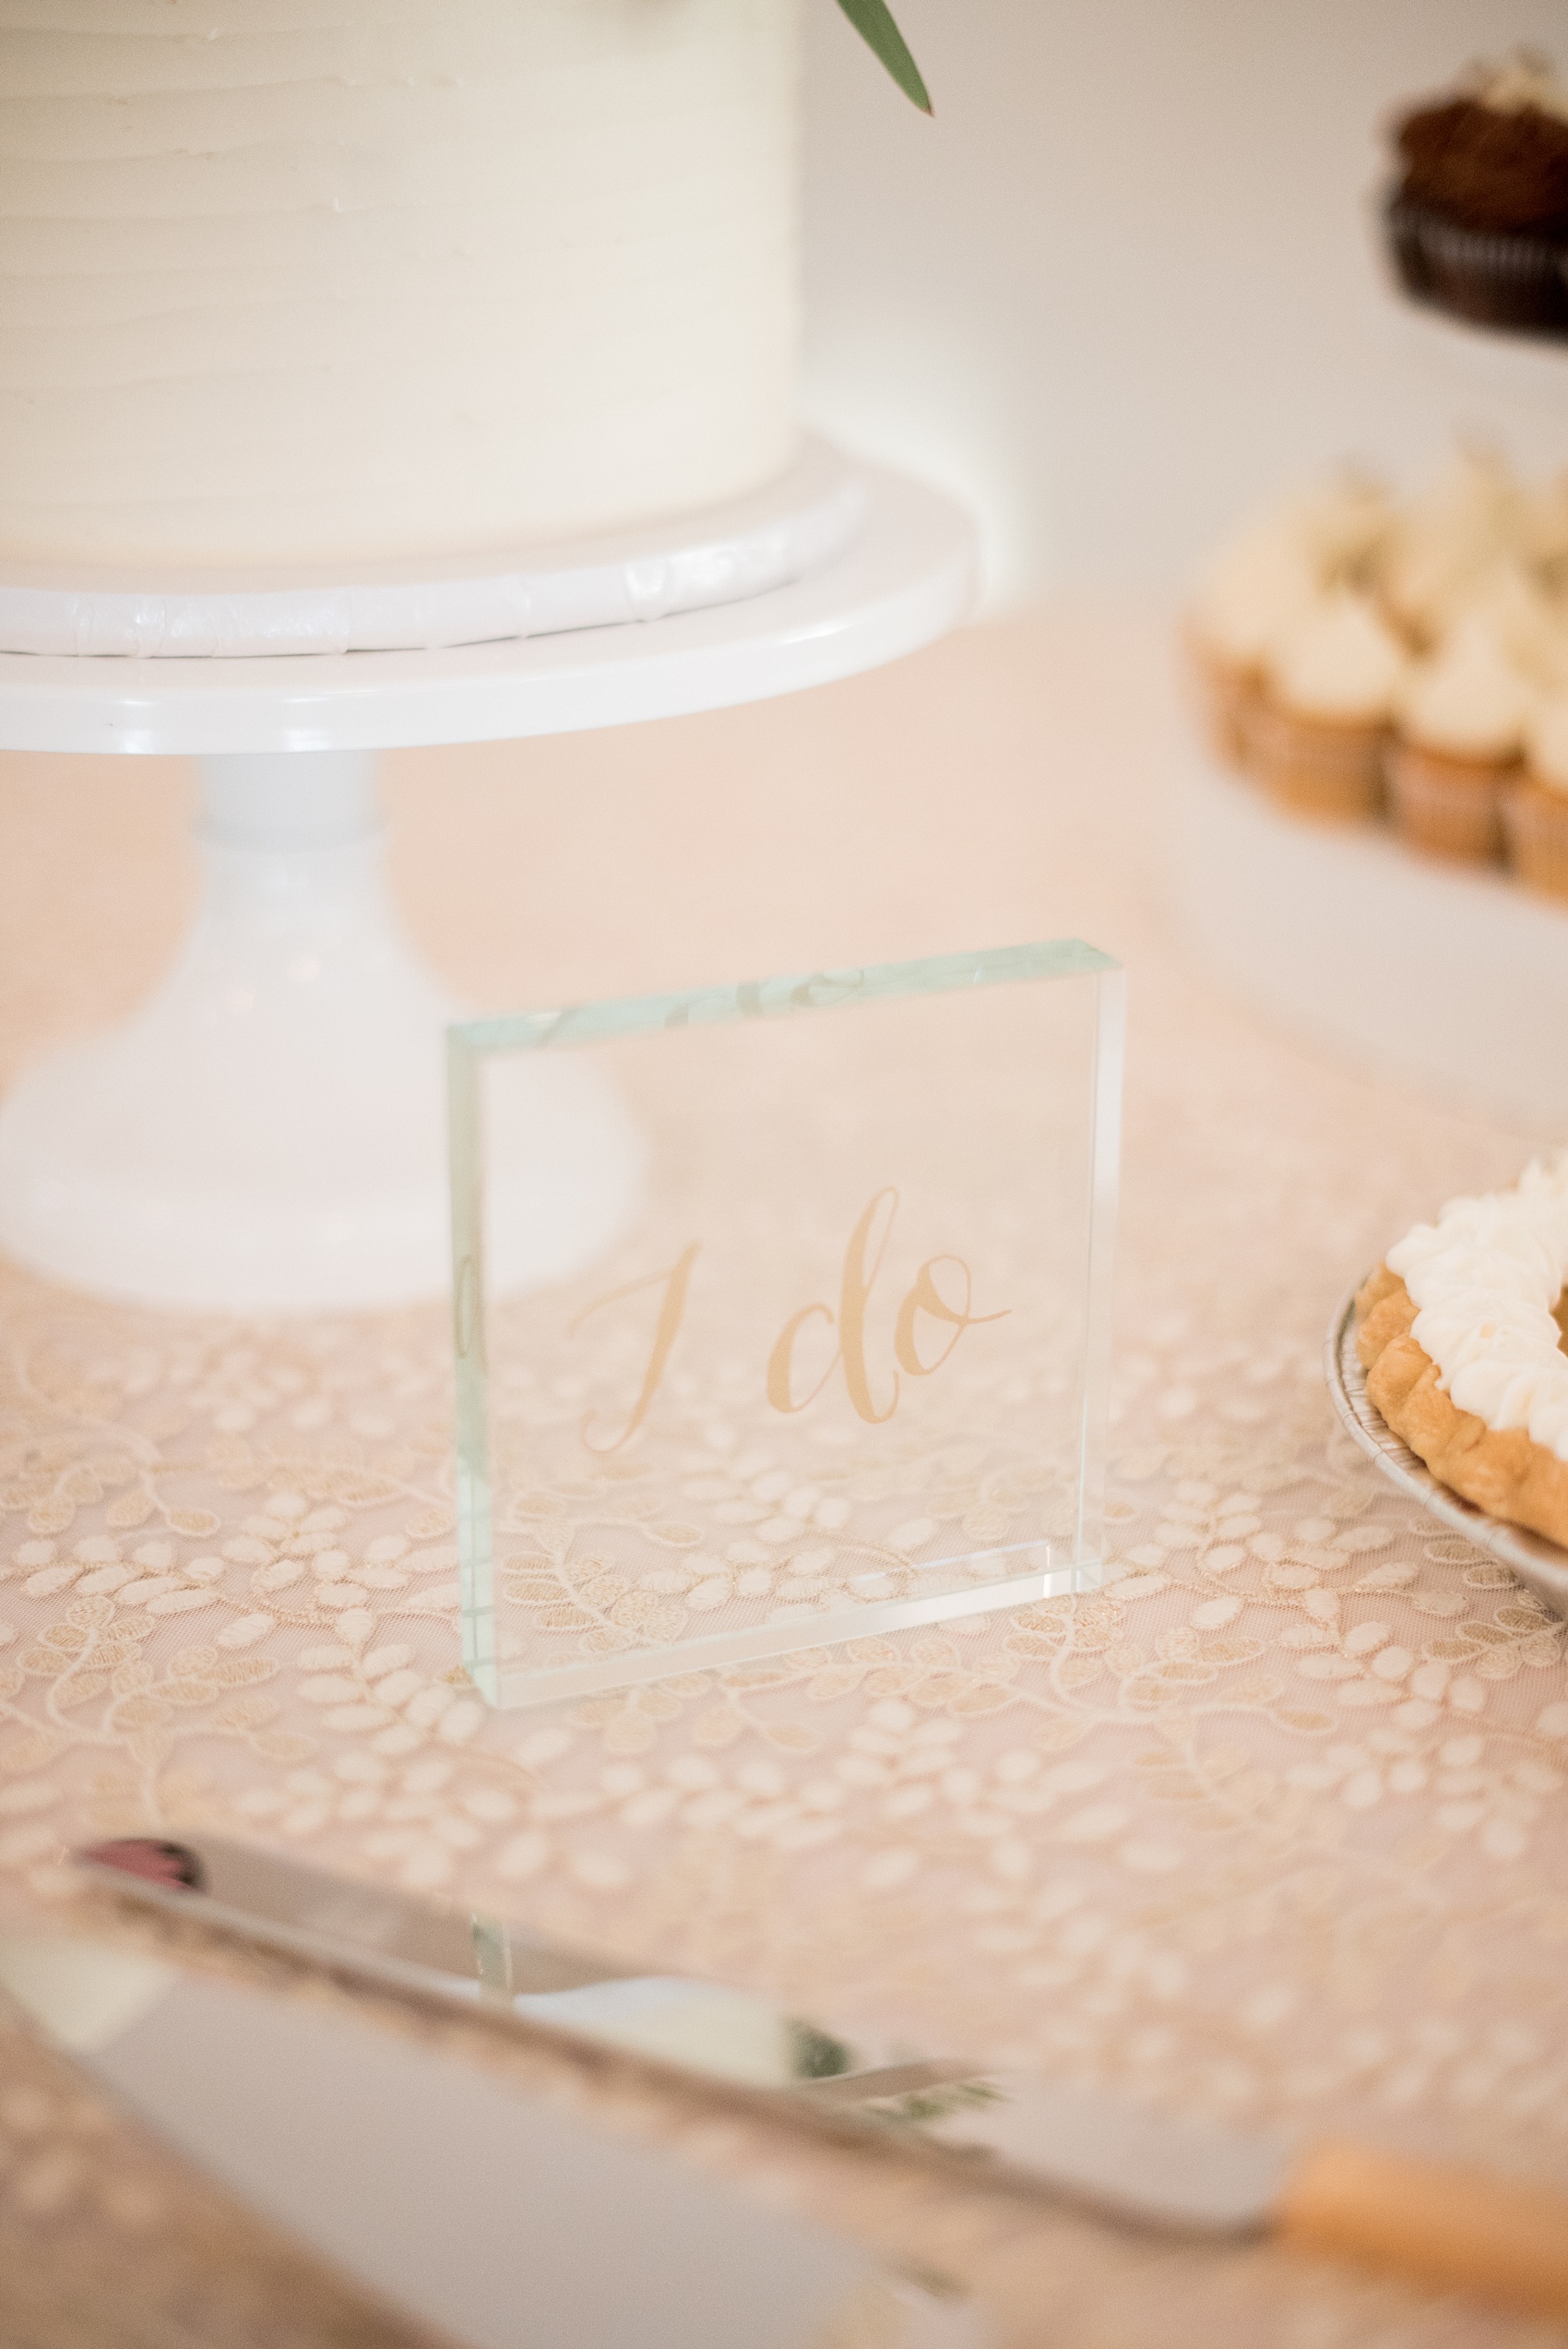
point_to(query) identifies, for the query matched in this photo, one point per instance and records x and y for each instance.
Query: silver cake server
(494, 2217)
(1448, 2227)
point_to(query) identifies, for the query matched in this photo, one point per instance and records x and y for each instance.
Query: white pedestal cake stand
(266, 1134)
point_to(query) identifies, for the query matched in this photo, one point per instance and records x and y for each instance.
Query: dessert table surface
(1274, 1829)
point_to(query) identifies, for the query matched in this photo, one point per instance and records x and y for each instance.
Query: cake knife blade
(349, 2160)
(1442, 2226)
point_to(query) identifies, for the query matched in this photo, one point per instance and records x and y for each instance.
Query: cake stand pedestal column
(268, 1135)
(268, 1130)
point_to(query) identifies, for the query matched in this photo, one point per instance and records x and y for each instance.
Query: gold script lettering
(925, 1297)
(854, 1289)
(862, 1263)
(854, 1293)
(780, 1362)
(671, 1312)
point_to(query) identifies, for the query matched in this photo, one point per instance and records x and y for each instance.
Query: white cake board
(687, 562)
(267, 1134)
(1450, 978)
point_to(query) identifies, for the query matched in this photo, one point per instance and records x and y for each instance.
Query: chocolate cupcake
(1478, 222)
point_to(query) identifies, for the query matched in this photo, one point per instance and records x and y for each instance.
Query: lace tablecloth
(1275, 1829)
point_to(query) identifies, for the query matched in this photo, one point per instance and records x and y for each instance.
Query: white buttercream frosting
(1249, 593)
(1546, 520)
(1269, 574)
(314, 280)
(1485, 1278)
(1448, 536)
(1338, 659)
(1470, 701)
(1341, 523)
(1524, 79)
(1529, 627)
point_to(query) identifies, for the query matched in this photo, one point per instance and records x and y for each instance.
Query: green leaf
(876, 28)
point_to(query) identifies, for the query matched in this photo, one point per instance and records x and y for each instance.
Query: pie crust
(1502, 1470)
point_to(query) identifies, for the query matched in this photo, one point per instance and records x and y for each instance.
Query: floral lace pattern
(1271, 1829)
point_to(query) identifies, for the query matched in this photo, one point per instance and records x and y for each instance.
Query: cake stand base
(267, 1134)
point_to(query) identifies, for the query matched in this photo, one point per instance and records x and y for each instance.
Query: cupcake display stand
(1449, 978)
(268, 1133)
(1510, 391)
(1481, 363)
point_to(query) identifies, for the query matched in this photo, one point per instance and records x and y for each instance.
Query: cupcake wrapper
(1403, 224)
(1315, 769)
(1509, 279)
(1225, 695)
(1449, 810)
(1535, 822)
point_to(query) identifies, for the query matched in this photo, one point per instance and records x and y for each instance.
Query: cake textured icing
(307, 281)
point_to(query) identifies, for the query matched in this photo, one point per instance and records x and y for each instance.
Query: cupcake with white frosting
(1445, 540)
(1357, 651)
(1263, 581)
(1545, 531)
(1462, 716)
(1528, 624)
(1247, 594)
(1317, 734)
(1535, 808)
(1343, 525)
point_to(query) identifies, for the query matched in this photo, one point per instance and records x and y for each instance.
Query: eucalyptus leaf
(876, 28)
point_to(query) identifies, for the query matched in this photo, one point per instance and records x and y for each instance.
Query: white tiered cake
(380, 338)
(320, 281)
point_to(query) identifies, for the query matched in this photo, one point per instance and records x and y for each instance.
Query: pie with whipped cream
(1462, 1334)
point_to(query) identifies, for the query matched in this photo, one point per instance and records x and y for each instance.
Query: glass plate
(1538, 1562)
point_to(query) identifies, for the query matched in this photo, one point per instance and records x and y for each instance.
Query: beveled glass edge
(476, 1568)
(614, 1017)
(1105, 1181)
(514, 1691)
